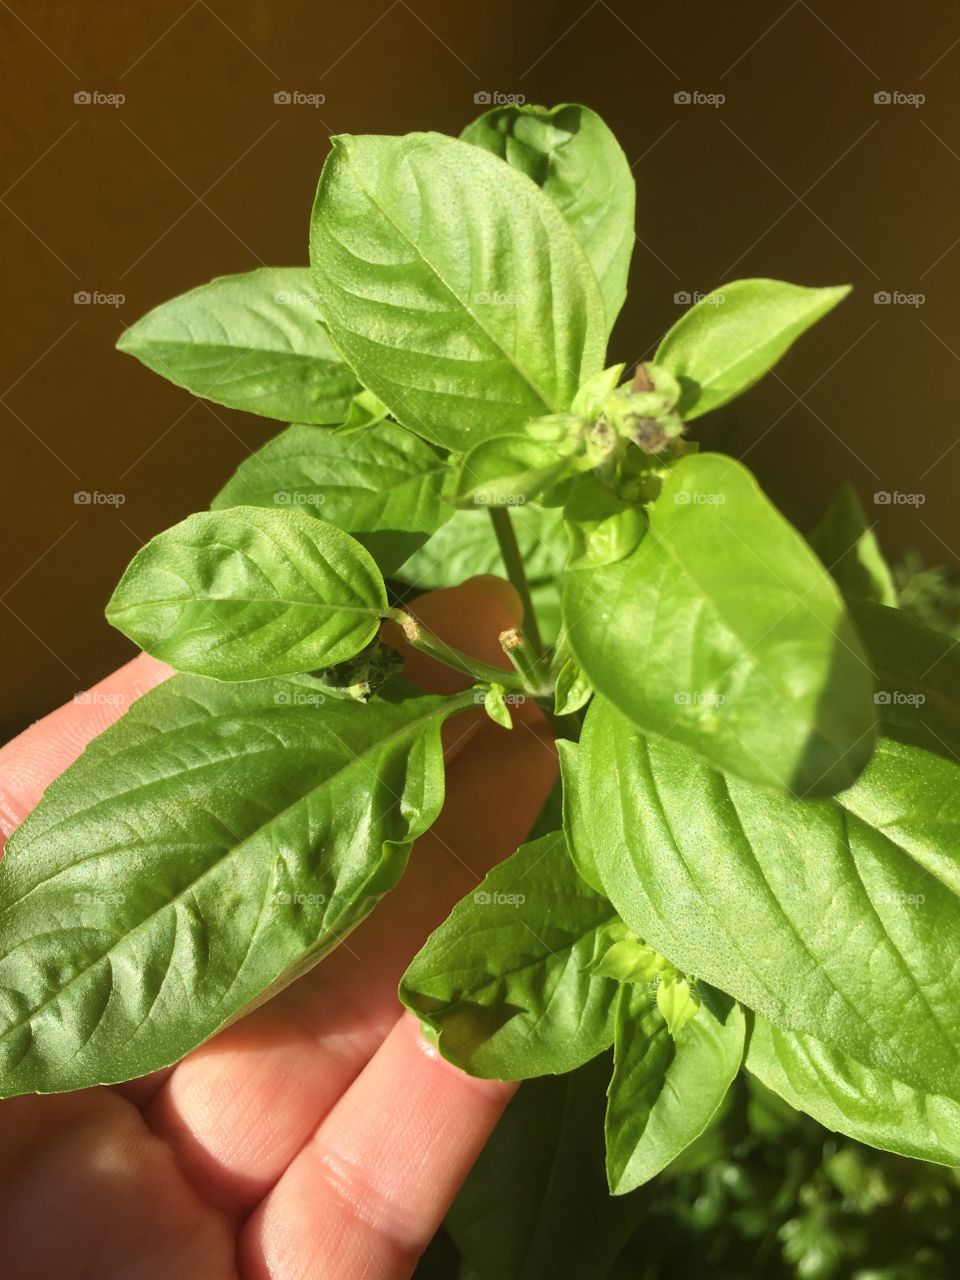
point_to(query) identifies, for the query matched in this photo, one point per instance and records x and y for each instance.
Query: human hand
(320, 1136)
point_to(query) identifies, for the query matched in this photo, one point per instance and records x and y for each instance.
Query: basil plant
(753, 865)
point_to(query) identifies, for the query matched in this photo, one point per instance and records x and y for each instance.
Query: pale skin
(320, 1138)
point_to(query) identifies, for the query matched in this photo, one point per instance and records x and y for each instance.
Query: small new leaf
(495, 706)
(508, 470)
(668, 1083)
(677, 1002)
(622, 956)
(602, 527)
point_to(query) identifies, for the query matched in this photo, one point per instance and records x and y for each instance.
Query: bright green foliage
(721, 631)
(505, 982)
(668, 1083)
(751, 859)
(467, 313)
(843, 1094)
(196, 860)
(248, 592)
(382, 486)
(732, 337)
(571, 154)
(698, 865)
(254, 341)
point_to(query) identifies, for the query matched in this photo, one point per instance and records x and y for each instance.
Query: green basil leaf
(467, 545)
(721, 631)
(847, 545)
(601, 526)
(843, 1094)
(503, 981)
(454, 288)
(253, 341)
(665, 1091)
(733, 336)
(494, 704)
(507, 470)
(588, 402)
(572, 690)
(366, 410)
(206, 850)
(574, 823)
(571, 154)
(245, 593)
(382, 485)
(535, 1206)
(831, 918)
(620, 954)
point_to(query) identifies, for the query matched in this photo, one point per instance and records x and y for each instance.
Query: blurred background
(153, 145)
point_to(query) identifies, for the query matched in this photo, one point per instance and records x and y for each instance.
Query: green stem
(513, 562)
(420, 638)
(524, 659)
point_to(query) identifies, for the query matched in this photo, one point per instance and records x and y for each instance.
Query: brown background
(799, 174)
